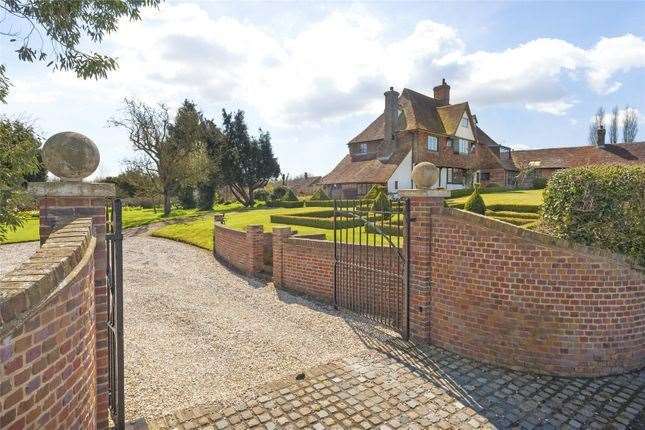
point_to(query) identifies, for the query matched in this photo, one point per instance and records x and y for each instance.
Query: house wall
(402, 175)
(48, 352)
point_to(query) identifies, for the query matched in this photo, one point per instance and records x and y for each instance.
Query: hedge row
(284, 204)
(504, 207)
(330, 203)
(324, 223)
(511, 214)
(482, 190)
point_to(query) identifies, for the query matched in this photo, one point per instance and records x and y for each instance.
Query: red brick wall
(47, 354)
(512, 297)
(56, 212)
(307, 267)
(243, 250)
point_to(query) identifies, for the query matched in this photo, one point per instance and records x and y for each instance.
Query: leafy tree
(18, 159)
(599, 119)
(60, 27)
(613, 126)
(212, 136)
(169, 151)
(247, 163)
(630, 125)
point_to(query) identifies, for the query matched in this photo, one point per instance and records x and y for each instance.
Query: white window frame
(362, 148)
(436, 143)
(464, 122)
(464, 147)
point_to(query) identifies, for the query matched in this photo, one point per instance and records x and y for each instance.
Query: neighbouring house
(414, 128)
(544, 162)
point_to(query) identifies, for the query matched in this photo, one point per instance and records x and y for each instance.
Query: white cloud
(557, 107)
(610, 56)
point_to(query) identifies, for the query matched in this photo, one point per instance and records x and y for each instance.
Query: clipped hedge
(289, 196)
(324, 223)
(285, 204)
(511, 214)
(373, 193)
(330, 203)
(599, 205)
(468, 191)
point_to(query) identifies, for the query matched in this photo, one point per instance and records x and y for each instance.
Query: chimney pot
(600, 136)
(442, 92)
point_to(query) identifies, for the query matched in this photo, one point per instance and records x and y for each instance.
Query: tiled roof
(364, 171)
(451, 116)
(555, 158)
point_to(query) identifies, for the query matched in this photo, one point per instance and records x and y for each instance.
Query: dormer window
(464, 122)
(362, 148)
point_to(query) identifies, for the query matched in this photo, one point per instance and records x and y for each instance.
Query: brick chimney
(442, 92)
(390, 115)
(600, 136)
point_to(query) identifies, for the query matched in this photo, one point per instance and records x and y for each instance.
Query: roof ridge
(577, 146)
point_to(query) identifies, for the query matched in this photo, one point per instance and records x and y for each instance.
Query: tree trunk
(251, 199)
(166, 202)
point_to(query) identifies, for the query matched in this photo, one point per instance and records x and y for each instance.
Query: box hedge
(475, 203)
(319, 195)
(599, 205)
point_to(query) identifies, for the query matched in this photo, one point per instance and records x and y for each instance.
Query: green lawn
(512, 197)
(132, 217)
(200, 232)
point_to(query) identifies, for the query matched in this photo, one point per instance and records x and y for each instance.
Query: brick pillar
(420, 237)
(280, 234)
(255, 246)
(60, 203)
(217, 219)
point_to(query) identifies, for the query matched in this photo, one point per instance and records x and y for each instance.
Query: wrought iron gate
(371, 252)
(115, 312)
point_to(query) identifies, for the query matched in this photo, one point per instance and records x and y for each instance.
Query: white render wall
(403, 174)
(465, 132)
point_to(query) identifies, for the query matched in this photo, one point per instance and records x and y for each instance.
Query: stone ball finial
(425, 175)
(70, 156)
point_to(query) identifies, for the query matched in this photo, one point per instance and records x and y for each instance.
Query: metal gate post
(405, 330)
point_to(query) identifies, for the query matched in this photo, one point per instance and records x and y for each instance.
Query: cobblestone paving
(397, 386)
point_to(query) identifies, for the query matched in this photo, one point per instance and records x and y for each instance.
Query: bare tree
(149, 128)
(598, 120)
(613, 126)
(630, 125)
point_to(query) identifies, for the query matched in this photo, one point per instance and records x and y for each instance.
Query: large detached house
(415, 128)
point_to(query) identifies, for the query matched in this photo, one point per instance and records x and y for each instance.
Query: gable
(464, 129)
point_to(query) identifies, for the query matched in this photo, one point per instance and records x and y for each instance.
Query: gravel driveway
(14, 254)
(196, 332)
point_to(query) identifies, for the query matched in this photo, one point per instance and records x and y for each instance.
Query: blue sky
(313, 74)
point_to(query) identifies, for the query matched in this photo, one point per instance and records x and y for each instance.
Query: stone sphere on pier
(70, 156)
(425, 175)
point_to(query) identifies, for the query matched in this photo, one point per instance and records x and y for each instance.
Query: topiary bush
(319, 195)
(599, 205)
(373, 193)
(475, 203)
(290, 196)
(381, 203)
(278, 192)
(261, 195)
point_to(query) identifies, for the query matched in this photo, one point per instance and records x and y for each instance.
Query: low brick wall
(48, 358)
(245, 251)
(513, 297)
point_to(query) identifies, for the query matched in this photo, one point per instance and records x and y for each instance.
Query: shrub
(373, 193)
(319, 195)
(602, 205)
(381, 203)
(284, 204)
(261, 195)
(330, 203)
(278, 192)
(289, 196)
(538, 183)
(475, 203)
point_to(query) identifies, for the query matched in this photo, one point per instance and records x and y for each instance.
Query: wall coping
(225, 227)
(71, 189)
(533, 236)
(54, 265)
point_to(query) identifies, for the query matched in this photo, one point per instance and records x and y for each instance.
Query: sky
(313, 73)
